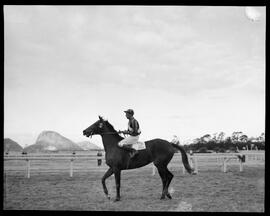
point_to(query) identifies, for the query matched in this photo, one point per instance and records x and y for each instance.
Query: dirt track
(210, 190)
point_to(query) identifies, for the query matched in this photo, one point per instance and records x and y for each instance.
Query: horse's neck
(110, 138)
(109, 141)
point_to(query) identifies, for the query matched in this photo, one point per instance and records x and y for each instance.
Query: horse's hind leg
(106, 175)
(162, 173)
(169, 179)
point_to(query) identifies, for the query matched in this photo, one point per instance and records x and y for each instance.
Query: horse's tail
(184, 158)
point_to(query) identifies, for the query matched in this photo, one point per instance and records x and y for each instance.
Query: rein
(116, 132)
(107, 133)
(110, 133)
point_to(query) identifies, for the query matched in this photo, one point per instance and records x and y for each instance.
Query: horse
(158, 151)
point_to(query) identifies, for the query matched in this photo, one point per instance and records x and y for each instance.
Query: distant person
(134, 133)
(99, 160)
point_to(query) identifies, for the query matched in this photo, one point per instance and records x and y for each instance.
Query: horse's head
(97, 128)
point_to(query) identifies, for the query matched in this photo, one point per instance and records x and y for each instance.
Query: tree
(220, 137)
(243, 138)
(261, 138)
(214, 137)
(228, 140)
(196, 141)
(236, 136)
(203, 150)
(205, 138)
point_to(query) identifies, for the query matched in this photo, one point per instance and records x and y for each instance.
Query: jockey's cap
(130, 111)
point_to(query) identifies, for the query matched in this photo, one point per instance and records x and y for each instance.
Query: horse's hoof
(193, 172)
(117, 199)
(169, 196)
(162, 197)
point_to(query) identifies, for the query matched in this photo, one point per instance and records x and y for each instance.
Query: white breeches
(130, 140)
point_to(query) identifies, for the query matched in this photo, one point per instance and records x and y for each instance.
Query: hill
(51, 141)
(11, 146)
(86, 145)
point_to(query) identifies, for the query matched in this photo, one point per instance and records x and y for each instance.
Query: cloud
(149, 39)
(170, 52)
(141, 20)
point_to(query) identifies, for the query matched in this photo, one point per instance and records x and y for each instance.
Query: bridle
(104, 133)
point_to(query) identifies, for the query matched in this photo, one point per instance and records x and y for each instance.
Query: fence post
(196, 163)
(28, 168)
(28, 164)
(71, 165)
(191, 161)
(71, 168)
(241, 166)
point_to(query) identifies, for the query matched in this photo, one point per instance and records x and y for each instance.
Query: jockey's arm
(124, 132)
(129, 132)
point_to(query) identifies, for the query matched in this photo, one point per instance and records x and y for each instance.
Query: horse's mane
(111, 128)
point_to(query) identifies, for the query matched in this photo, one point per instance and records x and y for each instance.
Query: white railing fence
(222, 160)
(197, 161)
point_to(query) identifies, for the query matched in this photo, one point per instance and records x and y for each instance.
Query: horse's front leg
(106, 175)
(117, 175)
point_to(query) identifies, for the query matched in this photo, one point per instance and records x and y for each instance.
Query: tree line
(218, 142)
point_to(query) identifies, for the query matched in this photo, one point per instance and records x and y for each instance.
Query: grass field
(209, 191)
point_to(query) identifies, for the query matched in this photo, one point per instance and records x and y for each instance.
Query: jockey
(133, 131)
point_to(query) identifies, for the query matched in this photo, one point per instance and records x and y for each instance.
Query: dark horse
(158, 151)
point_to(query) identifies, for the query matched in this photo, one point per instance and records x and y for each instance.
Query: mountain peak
(52, 141)
(10, 145)
(48, 133)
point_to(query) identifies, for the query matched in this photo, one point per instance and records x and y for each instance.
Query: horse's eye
(100, 125)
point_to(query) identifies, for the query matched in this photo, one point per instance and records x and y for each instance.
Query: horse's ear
(100, 118)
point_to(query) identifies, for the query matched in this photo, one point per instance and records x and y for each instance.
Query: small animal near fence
(197, 161)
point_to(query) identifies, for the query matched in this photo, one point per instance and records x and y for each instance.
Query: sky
(185, 70)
